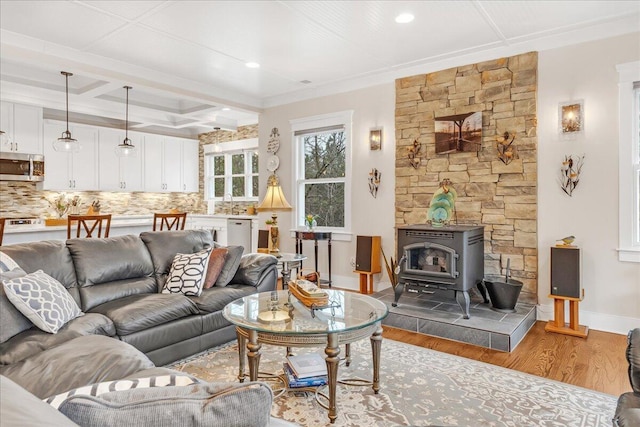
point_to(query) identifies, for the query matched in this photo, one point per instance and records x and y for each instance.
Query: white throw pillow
(187, 273)
(7, 263)
(43, 300)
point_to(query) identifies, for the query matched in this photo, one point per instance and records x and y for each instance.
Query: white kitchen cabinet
(71, 171)
(170, 164)
(119, 173)
(22, 125)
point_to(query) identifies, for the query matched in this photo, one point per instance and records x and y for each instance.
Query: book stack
(306, 370)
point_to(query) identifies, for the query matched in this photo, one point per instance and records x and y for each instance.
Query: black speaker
(565, 272)
(368, 254)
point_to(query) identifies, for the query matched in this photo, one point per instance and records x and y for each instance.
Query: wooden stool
(558, 325)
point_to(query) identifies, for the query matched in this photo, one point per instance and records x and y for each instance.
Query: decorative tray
(307, 300)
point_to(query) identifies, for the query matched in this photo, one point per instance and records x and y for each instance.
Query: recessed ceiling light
(404, 18)
(252, 65)
(226, 109)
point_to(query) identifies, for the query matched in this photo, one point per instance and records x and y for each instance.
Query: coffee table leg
(347, 354)
(376, 346)
(242, 354)
(254, 355)
(332, 351)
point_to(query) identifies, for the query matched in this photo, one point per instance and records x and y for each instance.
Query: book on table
(295, 382)
(307, 365)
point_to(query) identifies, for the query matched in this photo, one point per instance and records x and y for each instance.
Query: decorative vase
(312, 225)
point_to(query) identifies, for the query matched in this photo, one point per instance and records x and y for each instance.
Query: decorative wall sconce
(375, 139)
(413, 153)
(374, 181)
(570, 173)
(571, 118)
(506, 150)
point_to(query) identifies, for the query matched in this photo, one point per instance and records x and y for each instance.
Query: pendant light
(66, 143)
(216, 147)
(126, 148)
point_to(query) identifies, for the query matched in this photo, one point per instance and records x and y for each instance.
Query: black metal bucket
(503, 294)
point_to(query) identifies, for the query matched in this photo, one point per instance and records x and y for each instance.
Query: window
(629, 161)
(232, 172)
(323, 170)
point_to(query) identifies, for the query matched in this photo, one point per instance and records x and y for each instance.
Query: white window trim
(344, 118)
(229, 148)
(628, 249)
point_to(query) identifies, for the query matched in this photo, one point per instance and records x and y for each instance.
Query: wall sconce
(571, 118)
(375, 138)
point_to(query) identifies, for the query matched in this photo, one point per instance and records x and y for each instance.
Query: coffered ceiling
(186, 59)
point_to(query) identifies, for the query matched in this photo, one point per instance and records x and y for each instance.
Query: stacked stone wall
(501, 197)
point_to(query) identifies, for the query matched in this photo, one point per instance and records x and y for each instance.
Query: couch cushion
(12, 322)
(143, 311)
(187, 273)
(231, 264)
(216, 263)
(208, 404)
(628, 410)
(80, 361)
(20, 408)
(111, 268)
(43, 300)
(50, 256)
(34, 341)
(633, 357)
(252, 267)
(164, 245)
(214, 299)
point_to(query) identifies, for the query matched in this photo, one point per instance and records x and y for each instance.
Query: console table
(315, 236)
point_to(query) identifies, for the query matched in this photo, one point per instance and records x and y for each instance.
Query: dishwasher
(239, 233)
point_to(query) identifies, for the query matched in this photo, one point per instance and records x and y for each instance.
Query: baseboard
(598, 321)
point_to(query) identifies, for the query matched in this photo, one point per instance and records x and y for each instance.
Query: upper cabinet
(170, 164)
(23, 126)
(119, 173)
(71, 171)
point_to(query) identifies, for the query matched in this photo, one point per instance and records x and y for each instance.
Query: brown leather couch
(628, 409)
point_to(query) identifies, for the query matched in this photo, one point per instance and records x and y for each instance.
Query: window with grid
(234, 173)
(323, 170)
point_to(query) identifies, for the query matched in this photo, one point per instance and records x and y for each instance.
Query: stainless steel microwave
(21, 167)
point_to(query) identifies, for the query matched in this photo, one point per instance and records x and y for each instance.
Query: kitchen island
(133, 224)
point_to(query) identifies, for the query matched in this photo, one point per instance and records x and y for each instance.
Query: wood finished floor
(597, 362)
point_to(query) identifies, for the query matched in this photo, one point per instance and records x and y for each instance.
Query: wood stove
(449, 257)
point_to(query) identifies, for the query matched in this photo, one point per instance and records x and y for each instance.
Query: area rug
(422, 387)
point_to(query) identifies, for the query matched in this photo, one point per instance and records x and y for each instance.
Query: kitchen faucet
(230, 197)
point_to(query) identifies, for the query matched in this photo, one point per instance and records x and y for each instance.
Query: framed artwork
(571, 118)
(459, 132)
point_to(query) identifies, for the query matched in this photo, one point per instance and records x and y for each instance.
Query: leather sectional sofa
(628, 408)
(129, 327)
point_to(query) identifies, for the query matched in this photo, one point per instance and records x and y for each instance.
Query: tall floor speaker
(368, 254)
(565, 272)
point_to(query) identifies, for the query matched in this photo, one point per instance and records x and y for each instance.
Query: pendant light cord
(66, 86)
(126, 123)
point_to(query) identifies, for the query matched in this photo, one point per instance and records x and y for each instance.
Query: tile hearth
(439, 315)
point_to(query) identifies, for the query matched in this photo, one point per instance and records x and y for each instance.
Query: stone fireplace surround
(502, 198)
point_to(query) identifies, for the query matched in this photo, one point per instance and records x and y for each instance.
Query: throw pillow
(7, 263)
(216, 264)
(12, 322)
(120, 385)
(43, 300)
(187, 273)
(231, 264)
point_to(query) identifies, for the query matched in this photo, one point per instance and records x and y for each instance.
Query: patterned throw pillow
(187, 273)
(7, 263)
(43, 300)
(216, 263)
(120, 385)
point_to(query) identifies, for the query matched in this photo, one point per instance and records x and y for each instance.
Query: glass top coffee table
(278, 318)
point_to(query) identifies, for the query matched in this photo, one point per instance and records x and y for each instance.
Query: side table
(315, 236)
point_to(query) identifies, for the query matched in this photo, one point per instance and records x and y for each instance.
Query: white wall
(372, 107)
(586, 71)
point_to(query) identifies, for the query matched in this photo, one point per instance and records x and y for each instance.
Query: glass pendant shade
(126, 148)
(66, 143)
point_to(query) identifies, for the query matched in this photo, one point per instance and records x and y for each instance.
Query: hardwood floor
(597, 362)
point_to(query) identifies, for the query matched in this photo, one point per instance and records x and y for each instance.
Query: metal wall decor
(413, 153)
(506, 150)
(374, 181)
(570, 173)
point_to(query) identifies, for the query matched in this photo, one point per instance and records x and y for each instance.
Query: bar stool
(89, 223)
(172, 221)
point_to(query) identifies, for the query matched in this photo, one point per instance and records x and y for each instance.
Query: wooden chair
(2, 221)
(172, 221)
(89, 223)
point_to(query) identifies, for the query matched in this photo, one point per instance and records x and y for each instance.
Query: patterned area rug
(422, 387)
